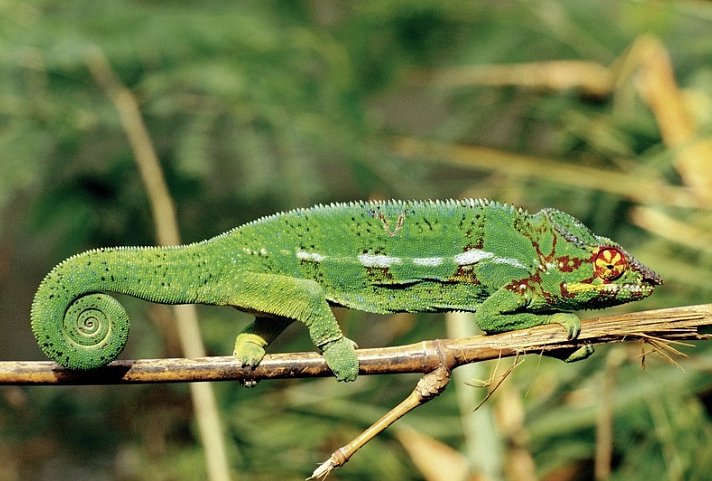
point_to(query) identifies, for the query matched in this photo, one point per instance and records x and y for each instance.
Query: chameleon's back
(394, 256)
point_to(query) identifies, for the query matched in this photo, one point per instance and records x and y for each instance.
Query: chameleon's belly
(418, 296)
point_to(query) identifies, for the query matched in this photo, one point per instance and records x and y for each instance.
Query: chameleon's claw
(568, 321)
(341, 358)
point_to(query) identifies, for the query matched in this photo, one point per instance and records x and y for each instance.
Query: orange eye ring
(610, 263)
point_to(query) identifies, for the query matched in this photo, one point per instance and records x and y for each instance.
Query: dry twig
(434, 358)
(167, 233)
(672, 324)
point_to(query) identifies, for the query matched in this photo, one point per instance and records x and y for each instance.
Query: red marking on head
(568, 264)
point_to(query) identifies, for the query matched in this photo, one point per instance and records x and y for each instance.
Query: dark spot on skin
(465, 275)
(379, 274)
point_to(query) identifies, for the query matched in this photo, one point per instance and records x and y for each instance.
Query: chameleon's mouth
(643, 289)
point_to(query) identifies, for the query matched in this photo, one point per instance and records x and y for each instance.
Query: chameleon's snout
(650, 277)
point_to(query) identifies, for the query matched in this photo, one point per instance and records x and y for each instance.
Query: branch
(167, 233)
(674, 324)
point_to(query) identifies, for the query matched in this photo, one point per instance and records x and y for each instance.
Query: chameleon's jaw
(612, 290)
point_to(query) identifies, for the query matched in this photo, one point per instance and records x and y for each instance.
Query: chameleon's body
(515, 270)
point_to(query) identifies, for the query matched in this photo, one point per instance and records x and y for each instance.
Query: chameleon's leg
(498, 313)
(251, 343)
(303, 300)
(502, 311)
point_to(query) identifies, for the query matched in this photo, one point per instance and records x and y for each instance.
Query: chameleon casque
(513, 269)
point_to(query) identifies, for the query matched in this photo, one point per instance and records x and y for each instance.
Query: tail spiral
(93, 333)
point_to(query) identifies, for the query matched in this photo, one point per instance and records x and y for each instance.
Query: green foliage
(255, 107)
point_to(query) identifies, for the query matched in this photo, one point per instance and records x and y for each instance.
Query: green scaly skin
(513, 269)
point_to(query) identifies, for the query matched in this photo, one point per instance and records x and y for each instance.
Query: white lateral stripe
(469, 257)
(472, 256)
(509, 261)
(428, 261)
(378, 260)
(310, 256)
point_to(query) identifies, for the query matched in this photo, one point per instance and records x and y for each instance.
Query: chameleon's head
(595, 271)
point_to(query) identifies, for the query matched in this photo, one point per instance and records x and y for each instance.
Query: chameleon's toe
(568, 321)
(341, 358)
(249, 349)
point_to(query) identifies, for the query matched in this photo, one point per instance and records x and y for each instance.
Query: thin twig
(495, 383)
(429, 386)
(604, 418)
(591, 78)
(167, 233)
(672, 324)
(645, 188)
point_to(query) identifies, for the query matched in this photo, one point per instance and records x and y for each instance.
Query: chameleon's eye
(610, 263)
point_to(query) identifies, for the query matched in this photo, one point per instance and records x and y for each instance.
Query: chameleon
(513, 269)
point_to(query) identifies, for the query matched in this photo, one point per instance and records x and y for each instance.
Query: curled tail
(80, 327)
(91, 333)
(75, 324)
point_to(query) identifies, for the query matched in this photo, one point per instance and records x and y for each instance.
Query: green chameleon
(513, 269)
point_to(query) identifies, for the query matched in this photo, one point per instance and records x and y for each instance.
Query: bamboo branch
(167, 233)
(672, 324)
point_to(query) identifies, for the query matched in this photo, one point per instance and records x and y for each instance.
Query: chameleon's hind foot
(249, 349)
(340, 356)
(568, 321)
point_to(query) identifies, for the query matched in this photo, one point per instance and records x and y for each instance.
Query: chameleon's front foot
(568, 321)
(572, 324)
(340, 356)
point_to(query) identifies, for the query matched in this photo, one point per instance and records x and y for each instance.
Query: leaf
(435, 460)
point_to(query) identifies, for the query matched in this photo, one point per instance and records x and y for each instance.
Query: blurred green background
(259, 106)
